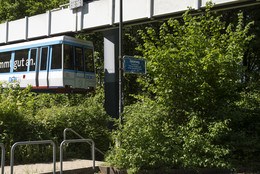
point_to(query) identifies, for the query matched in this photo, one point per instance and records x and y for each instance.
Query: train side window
(79, 59)
(5, 62)
(68, 57)
(20, 60)
(44, 56)
(89, 60)
(56, 57)
(33, 59)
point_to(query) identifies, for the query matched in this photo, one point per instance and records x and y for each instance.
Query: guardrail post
(2, 158)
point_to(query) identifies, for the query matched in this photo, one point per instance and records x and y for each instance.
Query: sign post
(121, 96)
(127, 64)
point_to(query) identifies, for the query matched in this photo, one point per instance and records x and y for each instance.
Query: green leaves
(146, 139)
(26, 116)
(197, 59)
(196, 114)
(13, 10)
(151, 138)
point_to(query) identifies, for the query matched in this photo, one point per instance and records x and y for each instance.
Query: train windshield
(68, 57)
(56, 57)
(89, 60)
(78, 58)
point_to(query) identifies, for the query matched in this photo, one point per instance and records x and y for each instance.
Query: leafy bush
(151, 139)
(244, 138)
(89, 119)
(26, 116)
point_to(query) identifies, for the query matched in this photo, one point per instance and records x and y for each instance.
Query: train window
(44, 56)
(89, 60)
(33, 59)
(56, 57)
(5, 62)
(79, 59)
(20, 60)
(68, 57)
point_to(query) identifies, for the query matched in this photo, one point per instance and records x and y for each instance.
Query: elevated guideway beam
(100, 15)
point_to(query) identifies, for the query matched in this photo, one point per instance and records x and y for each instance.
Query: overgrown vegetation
(26, 116)
(197, 110)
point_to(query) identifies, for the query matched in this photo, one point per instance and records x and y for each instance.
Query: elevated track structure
(102, 15)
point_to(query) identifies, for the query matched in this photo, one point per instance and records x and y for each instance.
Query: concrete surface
(47, 167)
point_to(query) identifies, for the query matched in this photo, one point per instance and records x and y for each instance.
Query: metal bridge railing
(32, 143)
(71, 130)
(2, 158)
(76, 141)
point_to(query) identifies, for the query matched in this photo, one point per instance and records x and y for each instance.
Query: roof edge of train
(51, 40)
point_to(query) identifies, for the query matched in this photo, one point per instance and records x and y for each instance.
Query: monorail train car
(56, 64)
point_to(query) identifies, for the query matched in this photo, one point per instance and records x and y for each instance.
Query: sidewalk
(47, 167)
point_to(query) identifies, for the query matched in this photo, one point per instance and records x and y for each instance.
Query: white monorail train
(57, 64)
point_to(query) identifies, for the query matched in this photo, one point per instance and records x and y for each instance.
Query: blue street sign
(134, 65)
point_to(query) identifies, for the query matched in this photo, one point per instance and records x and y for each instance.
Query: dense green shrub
(146, 138)
(27, 116)
(151, 139)
(88, 118)
(245, 124)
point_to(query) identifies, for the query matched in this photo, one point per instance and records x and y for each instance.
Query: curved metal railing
(31, 143)
(76, 141)
(71, 130)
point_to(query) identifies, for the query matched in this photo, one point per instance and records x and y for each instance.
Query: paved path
(47, 167)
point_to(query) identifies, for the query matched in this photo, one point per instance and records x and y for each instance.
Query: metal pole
(2, 158)
(120, 64)
(93, 153)
(61, 157)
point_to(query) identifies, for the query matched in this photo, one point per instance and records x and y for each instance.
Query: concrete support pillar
(111, 41)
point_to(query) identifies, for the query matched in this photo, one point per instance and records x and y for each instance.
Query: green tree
(16, 9)
(251, 59)
(195, 79)
(195, 65)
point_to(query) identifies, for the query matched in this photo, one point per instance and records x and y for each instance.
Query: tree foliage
(196, 64)
(16, 9)
(198, 98)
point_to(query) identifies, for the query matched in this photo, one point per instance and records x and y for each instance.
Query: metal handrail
(2, 158)
(76, 141)
(31, 143)
(71, 130)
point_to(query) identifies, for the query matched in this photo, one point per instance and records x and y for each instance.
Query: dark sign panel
(134, 65)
